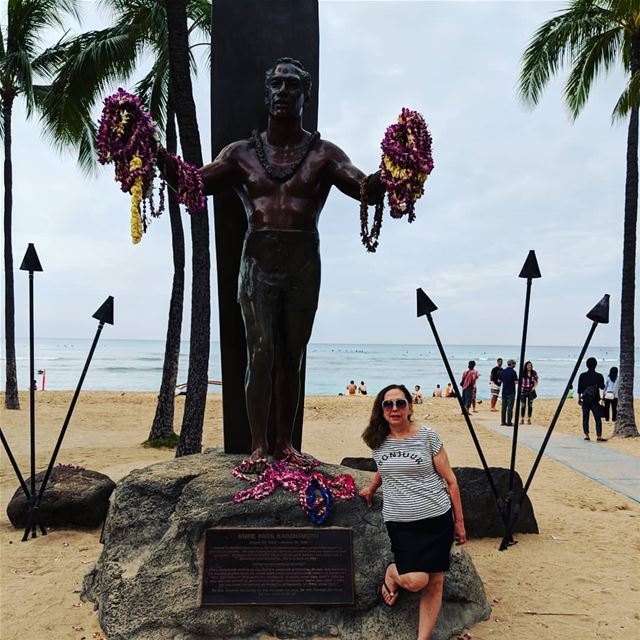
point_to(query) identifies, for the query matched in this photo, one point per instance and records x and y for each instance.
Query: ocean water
(136, 365)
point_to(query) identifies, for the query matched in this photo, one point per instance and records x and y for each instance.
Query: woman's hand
(459, 531)
(367, 494)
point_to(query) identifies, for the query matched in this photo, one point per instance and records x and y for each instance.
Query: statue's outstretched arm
(347, 177)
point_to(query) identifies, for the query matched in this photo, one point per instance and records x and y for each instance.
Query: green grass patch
(171, 442)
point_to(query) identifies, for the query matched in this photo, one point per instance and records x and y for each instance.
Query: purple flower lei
(127, 131)
(291, 477)
(406, 161)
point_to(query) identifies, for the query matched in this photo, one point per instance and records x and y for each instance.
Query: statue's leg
(297, 313)
(297, 325)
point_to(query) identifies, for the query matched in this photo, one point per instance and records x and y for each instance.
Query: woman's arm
(368, 492)
(444, 470)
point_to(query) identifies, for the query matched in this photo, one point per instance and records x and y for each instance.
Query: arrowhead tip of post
(425, 304)
(600, 313)
(105, 312)
(530, 268)
(31, 262)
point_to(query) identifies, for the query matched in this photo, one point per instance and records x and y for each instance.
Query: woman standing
(421, 506)
(611, 395)
(528, 393)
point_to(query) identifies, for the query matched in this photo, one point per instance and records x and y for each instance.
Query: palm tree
(22, 63)
(94, 61)
(191, 433)
(592, 36)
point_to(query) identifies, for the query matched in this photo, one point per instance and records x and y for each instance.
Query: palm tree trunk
(162, 427)
(11, 399)
(192, 422)
(625, 425)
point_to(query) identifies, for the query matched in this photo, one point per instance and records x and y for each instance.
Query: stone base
(146, 582)
(74, 497)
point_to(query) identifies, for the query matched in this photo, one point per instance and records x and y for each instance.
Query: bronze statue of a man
(283, 176)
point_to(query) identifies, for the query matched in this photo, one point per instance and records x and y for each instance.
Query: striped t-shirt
(413, 490)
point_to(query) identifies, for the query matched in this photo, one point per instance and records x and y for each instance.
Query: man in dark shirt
(508, 379)
(589, 384)
(494, 383)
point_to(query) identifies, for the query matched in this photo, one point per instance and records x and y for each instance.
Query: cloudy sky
(507, 179)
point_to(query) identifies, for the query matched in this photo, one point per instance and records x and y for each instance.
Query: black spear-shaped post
(104, 315)
(599, 315)
(31, 263)
(425, 308)
(530, 270)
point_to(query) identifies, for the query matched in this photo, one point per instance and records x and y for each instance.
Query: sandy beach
(579, 578)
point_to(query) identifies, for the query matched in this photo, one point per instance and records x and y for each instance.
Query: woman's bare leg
(430, 603)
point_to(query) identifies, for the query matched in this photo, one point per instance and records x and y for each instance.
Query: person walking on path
(508, 380)
(589, 384)
(528, 393)
(421, 507)
(468, 383)
(610, 397)
(494, 383)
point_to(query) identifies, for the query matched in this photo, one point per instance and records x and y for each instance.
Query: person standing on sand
(421, 507)
(494, 383)
(610, 397)
(351, 388)
(589, 384)
(528, 393)
(508, 379)
(468, 383)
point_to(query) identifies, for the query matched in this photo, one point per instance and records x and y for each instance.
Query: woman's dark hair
(378, 428)
(524, 370)
(472, 363)
(613, 374)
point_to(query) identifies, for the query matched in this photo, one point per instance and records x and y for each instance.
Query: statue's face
(285, 92)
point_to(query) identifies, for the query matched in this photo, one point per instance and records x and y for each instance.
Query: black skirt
(422, 545)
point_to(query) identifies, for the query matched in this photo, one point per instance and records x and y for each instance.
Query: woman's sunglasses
(397, 404)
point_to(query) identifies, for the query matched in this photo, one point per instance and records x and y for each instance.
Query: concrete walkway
(615, 470)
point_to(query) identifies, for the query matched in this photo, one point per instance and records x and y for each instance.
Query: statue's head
(287, 88)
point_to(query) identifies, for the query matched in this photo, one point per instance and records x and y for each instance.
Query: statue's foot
(290, 455)
(259, 459)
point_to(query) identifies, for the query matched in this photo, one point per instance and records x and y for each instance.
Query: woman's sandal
(601, 439)
(390, 594)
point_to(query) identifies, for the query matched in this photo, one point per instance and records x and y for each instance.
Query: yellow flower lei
(136, 199)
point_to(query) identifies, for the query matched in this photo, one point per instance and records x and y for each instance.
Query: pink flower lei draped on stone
(128, 137)
(292, 477)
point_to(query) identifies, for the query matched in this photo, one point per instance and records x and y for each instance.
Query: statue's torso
(293, 205)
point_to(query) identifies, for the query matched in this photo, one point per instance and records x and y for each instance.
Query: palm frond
(597, 54)
(93, 61)
(556, 43)
(153, 90)
(629, 99)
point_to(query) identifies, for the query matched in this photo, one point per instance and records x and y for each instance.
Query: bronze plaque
(277, 566)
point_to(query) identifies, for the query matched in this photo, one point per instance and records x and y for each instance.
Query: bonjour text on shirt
(412, 488)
